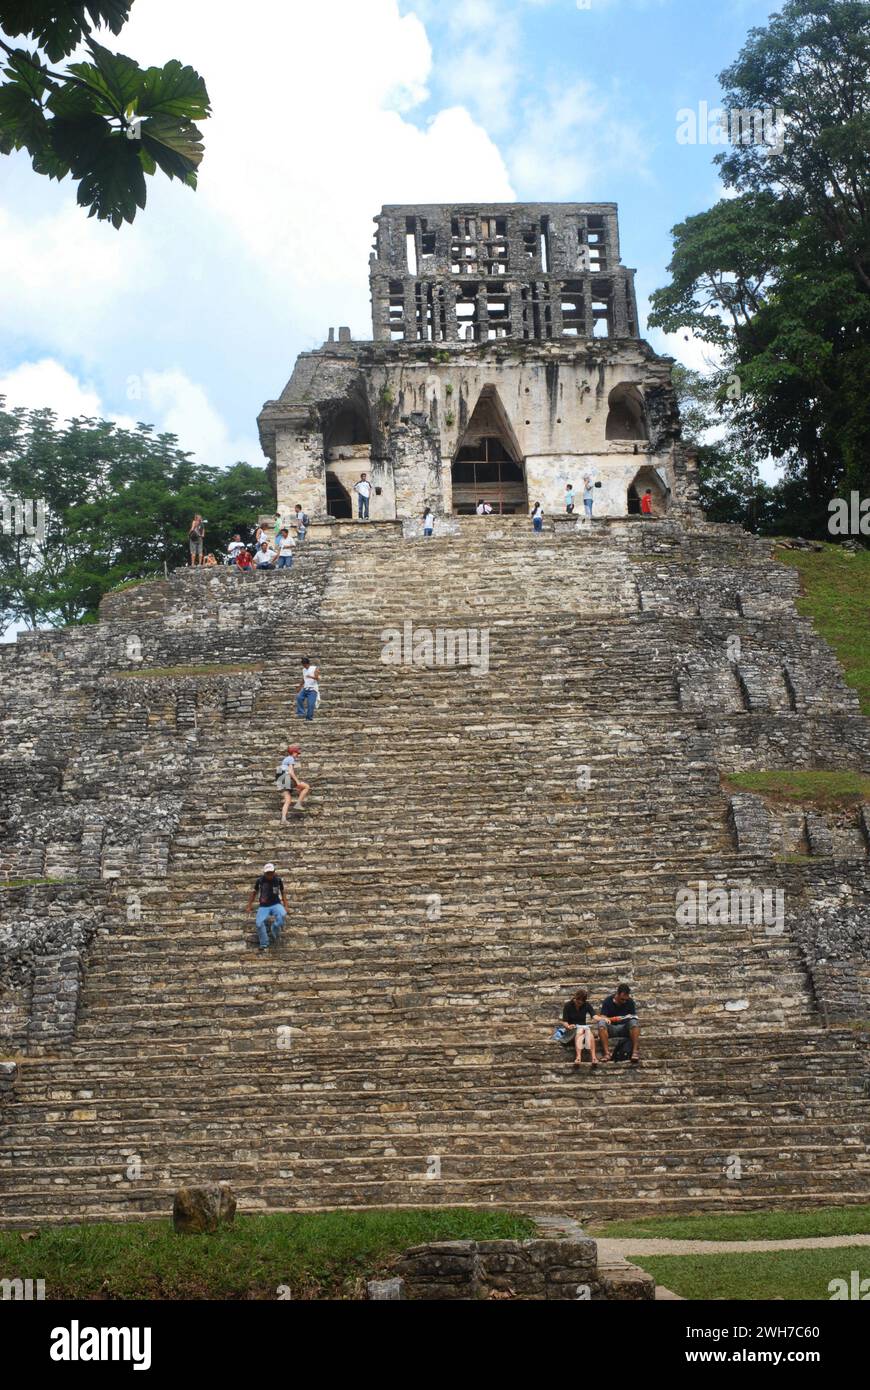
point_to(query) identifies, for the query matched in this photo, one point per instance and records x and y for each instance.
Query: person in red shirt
(646, 503)
(243, 560)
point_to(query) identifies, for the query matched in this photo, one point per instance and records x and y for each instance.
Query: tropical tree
(777, 277)
(98, 506)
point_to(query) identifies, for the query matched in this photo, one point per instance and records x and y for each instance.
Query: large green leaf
(60, 27)
(73, 102)
(27, 72)
(22, 122)
(118, 76)
(79, 141)
(176, 146)
(114, 186)
(174, 90)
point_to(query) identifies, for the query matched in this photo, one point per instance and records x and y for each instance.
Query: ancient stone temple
(520, 776)
(506, 362)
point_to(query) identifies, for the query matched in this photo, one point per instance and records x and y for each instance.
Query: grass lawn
(749, 1225)
(788, 1274)
(827, 790)
(314, 1255)
(835, 594)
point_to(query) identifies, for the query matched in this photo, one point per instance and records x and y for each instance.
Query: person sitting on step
(618, 1019)
(264, 558)
(268, 889)
(577, 1013)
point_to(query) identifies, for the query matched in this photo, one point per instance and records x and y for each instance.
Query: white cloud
(63, 273)
(47, 383)
(168, 400)
(571, 138)
(179, 406)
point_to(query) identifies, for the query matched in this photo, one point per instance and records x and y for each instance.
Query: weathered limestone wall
(301, 469)
(556, 401)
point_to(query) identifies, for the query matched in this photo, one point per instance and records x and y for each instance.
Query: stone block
(196, 1210)
(385, 1289)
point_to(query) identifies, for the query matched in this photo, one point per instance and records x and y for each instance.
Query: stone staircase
(478, 843)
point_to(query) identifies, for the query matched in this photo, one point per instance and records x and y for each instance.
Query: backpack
(280, 779)
(621, 1049)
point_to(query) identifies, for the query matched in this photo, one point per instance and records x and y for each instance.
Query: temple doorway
(488, 464)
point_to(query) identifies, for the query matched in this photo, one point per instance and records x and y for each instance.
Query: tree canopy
(777, 277)
(118, 504)
(103, 119)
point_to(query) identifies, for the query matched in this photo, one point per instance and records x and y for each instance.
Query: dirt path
(625, 1247)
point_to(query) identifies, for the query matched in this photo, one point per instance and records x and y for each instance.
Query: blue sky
(191, 318)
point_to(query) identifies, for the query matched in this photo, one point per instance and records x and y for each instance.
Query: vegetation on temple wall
(106, 122)
(824, 790)
(834, 589)
(777, 277)
(118, 505)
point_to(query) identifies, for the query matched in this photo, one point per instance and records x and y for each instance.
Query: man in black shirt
(577, 1013)
(619, 1021)
(268, 889)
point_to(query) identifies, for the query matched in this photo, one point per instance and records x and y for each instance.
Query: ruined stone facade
(506, 363)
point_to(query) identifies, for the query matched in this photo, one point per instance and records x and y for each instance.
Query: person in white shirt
(301, 522)
(265, 556)
(285, 550)
(363, 490)
(428, 522)
(483, 508)
(308, 690)
(538, 517)
(233, 549)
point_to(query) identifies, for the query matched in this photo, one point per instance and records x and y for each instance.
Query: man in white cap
(268, 889)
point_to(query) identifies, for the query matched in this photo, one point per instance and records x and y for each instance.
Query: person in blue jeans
(268, 890)
(285, 544)
(538, 517)
(588, 495)
(308, 690)
(363, 490)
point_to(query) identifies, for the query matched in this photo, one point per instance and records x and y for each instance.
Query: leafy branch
(106, 122)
